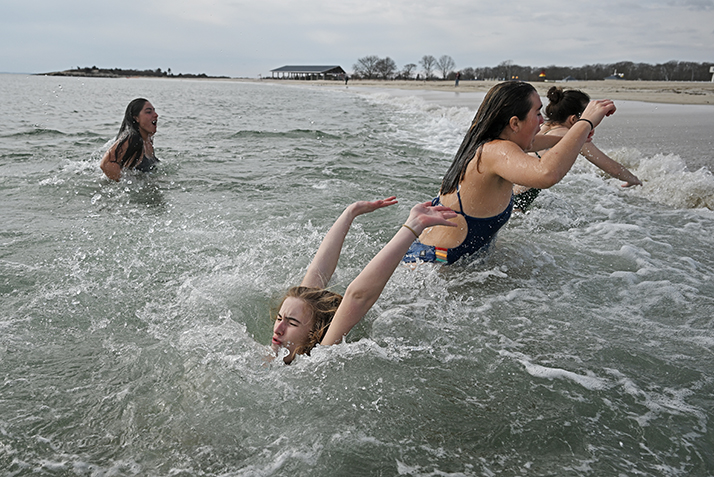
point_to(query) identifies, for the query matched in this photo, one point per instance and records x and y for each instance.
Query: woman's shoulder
(492, 155)
(553, 129)
(498, 146)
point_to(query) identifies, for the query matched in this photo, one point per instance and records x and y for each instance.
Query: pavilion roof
(314, 69)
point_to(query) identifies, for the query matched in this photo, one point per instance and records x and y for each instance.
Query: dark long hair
(129, 134)
(565, 103)
(502, 102)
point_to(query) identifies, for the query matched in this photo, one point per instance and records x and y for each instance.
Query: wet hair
(322, 304)
(565, 103)
(502, 102)
(129, 135)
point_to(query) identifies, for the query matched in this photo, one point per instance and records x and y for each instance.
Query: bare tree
(428, 62)
(446, 65)
(468, 73)
(366, 67)
(386, 67)
(408, 70)
(506, 68)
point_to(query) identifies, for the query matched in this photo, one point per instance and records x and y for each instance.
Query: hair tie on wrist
(592, 126)
(413, 231)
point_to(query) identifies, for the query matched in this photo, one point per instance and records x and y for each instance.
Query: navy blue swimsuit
(481, 232)
(147, 163)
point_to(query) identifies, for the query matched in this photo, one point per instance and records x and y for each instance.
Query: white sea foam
(144, 314)
(430, 125)
(668, 181)
(590, 382)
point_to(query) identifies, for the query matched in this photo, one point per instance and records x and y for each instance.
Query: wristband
(413, 231)
(592, 126)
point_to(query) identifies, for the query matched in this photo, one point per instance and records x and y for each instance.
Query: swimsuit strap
(458, 195)
(437, 201)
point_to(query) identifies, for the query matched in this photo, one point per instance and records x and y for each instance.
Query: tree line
(119, 72)
(429, 67)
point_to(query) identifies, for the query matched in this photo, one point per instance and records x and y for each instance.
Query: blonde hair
(322, 304)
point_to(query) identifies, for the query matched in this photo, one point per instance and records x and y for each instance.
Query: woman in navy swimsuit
(478, 186)
(134, 147)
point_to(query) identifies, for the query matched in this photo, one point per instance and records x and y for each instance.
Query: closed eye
(291, 321)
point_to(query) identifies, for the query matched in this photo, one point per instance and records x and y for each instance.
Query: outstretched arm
(363, 292)
(612, 167)
(323, 265)
(507, 160)
(543, 141)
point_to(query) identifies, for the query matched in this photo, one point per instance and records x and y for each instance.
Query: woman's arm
(612, 167)
(110, 163)
(363, 292)
(512, 164)
(323, 265)
(543, 141)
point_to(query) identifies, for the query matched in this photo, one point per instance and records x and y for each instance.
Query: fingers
(443, 209)
(364, 206)
(598, 109)
(388, 201)
(609, 105)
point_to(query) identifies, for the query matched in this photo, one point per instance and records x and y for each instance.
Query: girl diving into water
(309, 314)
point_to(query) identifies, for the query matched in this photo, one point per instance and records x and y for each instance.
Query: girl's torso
(483, 194)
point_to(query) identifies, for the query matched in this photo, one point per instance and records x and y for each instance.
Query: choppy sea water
(134, 315)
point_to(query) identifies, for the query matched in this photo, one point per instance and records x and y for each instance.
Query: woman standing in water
(564, 109)
(134, 147)
(309, 314)
(479, 184)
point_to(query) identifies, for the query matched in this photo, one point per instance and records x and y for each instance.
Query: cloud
(248, 38)
(698, 4)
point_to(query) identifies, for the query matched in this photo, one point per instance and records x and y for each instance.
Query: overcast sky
(248, 38)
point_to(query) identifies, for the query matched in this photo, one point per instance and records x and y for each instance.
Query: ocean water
(134, 316)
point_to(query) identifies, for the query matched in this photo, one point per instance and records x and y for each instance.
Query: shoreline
(662, 92)
(667, 92)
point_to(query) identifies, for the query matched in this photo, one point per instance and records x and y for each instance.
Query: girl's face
(147, 120)
(530, 126)
(292, 327)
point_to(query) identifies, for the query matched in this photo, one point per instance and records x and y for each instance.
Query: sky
(248, 38)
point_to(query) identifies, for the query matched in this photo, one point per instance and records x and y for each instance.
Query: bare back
(483, 194)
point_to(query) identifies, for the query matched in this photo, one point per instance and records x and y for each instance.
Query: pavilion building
(308, 72)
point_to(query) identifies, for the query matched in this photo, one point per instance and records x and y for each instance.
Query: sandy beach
(647, 91)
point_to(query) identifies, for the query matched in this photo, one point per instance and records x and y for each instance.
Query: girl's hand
(426, 215)
(364, 206)
(597, 110)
